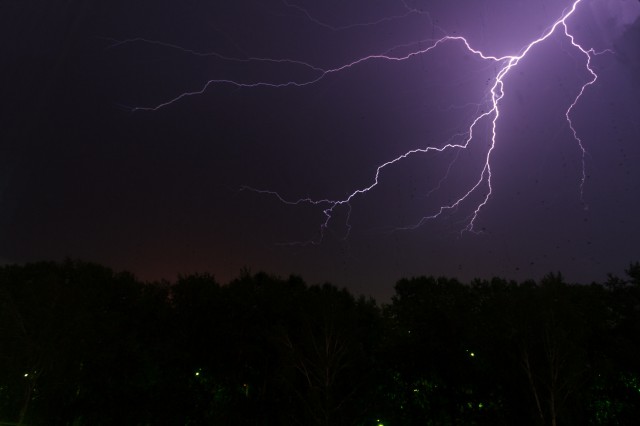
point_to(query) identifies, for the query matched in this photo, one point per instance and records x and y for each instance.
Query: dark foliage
(82, 345)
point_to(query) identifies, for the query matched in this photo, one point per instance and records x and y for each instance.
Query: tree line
(83, 345)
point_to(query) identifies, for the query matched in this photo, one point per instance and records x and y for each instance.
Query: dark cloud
(157, 192)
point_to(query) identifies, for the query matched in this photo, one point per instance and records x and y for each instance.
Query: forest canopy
(81, 344)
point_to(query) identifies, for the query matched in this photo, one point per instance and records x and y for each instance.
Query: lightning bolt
(482, 187)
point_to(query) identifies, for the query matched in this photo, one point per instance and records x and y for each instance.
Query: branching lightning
(482, 187)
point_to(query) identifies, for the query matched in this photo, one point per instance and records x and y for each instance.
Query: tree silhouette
(83, 345)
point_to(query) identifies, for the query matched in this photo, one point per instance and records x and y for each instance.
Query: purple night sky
(160, 192)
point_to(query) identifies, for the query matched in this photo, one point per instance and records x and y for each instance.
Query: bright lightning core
(482, 128)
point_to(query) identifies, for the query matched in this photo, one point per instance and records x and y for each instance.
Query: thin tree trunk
(527, 368)
(25, 403)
